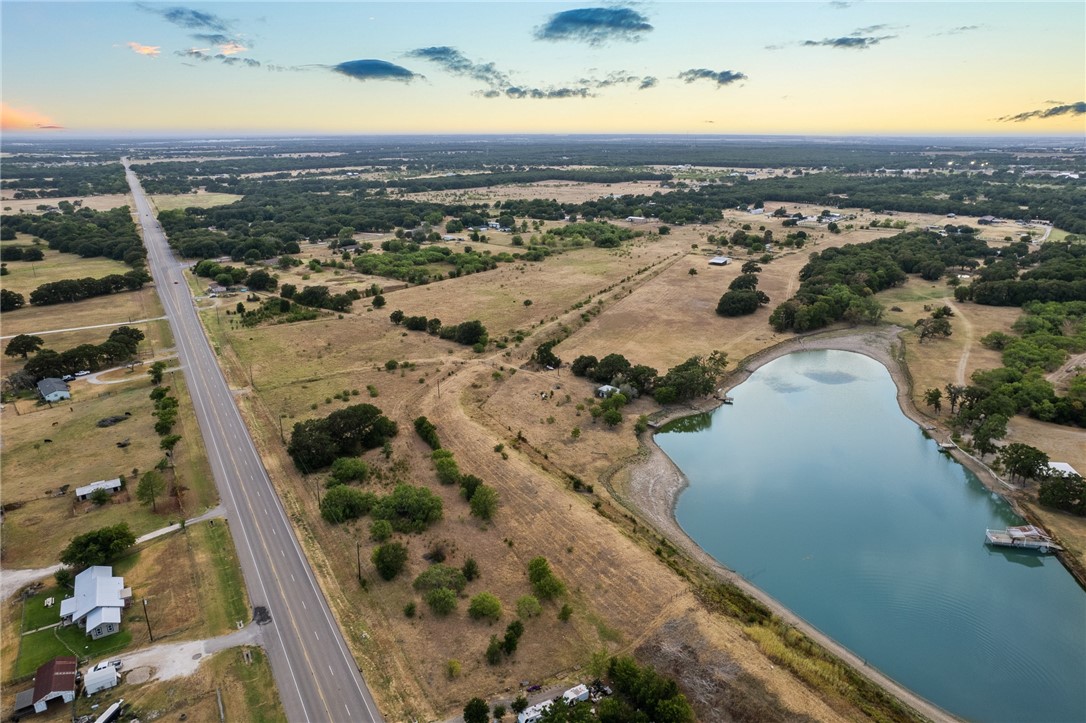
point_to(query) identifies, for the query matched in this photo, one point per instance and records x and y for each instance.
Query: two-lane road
(315, 673)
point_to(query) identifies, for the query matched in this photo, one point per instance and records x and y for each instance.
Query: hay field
(198, 199)
(561, 191)
(25, 276)
(102, 202)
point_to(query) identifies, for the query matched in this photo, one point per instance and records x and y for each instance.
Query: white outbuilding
(100, 677)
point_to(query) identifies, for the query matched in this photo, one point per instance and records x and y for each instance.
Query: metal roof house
(99, 599)
(606, 390)
(52, 389)
(109, 485)
(1061, 469)
(55, 679)
(720, 261)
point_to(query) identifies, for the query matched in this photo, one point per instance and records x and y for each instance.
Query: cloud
(205, 55)
(21, 119)
(594, 26)
(840, 4)
(620, 77)
(849, 42)
(456, 63)
(150, 51)
(227, 45)
(375, 70)
(232, 48)
(961, 29)
(189, 18)
(723, 77)
(1078, 108)
(518, 93)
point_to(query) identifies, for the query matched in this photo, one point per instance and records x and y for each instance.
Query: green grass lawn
(225, 599)
(36, 615)
(41, 647)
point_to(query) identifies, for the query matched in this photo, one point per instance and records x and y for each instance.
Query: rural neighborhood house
(99, 599)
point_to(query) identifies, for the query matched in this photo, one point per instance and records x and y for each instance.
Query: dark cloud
(723, 77)
(369, 69)
(620, 77)
(189, 18)
(868, 30)
(594, 25)
(456, 63)
(1078, 108)
(212, 38)
(518, 93)
(647, 82)
(207, 56)
(849, 42)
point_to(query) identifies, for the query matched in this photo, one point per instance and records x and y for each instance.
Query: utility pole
(358, 554)
(147, 620)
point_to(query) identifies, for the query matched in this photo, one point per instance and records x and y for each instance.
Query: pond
(816, 488)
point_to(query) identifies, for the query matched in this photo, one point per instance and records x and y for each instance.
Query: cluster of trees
(838, 284)
(602, 235)
(227, 275)
(1064, 492)
(120, 346)
(1054, 272)
(407, 508)
(71, 290)
(743, 296)
(84, 232)
(165, 412)
(98, 547)
(936, 324)
(11, 300)
(319, 297)
(428, 432)
(278, 309)
(317, 443)
(469, 333)
(408, 261)
(35, 179)
(20, 253)
(695, 377)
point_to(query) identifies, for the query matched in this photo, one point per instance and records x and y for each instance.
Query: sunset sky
(988, 68)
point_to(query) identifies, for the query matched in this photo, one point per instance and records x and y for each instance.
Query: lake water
(816, 488)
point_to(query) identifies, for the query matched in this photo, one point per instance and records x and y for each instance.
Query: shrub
(452, 668)
(468, 484)
(565, 613)
(380, 530)
(389, 559)
(447, 470)
(408, 508)
(350, 469)
(485, 605)
(438, 576)
(528, 607)
(342, 503)
(543, 580)
(484, 502)
(410, 609)
(494, 650)
(442, 601)
(470, 569)
(428, 432)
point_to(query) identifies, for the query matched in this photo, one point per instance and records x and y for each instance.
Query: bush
(428, 432)
(470, 569)
(408, 508)
(380, 530)
(389, 559)
(544, 582)
(442, 601)
(100, 497)
(565, 613)
(452, 668)
(484, 502)
(529, 607)
(485, 605)
(512, 636)
(494, 650)
(342, 503)
(410, 609)
(438, 576)
(350, 469)
(468, 484)
(447, 470)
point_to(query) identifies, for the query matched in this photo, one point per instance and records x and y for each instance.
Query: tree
(484, 502)
(98, 547)
(543, 580)
(1023, 461)
(396, 317)
(485, 605)
(440, 575)
(545, 356)
(470, 569)
(1064, 492)
(389, 559)
(380, 530)
(23, 345)
(151, 485)
(100, 497)
(156, 371)
(11, 300)
(740, 302)
(378, 301)
(519, 705)
(476, 711)
(528, 607)
(954, 394)
(934, 399)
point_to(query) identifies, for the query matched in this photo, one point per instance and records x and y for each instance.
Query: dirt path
(967, 327)
(11, 581)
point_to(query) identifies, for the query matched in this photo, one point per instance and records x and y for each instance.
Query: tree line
(85, 232)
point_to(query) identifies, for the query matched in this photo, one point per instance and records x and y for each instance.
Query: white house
(720, 261)
(99, 599)
(52, 389)
(605, 391)
(100, 677)
(109, 485)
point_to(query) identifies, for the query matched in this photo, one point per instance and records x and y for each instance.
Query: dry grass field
(30, 205)
(199, 199)
(659, 317)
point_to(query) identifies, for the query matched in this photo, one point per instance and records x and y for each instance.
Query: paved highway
(315, 673)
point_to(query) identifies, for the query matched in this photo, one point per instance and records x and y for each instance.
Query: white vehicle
(575, 694)
(532, 714)
(82, 373)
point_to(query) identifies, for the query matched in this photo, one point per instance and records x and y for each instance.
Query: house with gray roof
(99, 599)
(109, 485)
(52, 389)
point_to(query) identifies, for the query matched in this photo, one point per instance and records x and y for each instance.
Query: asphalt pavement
(317, 677)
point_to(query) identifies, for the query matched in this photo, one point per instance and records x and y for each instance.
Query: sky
(819, 68)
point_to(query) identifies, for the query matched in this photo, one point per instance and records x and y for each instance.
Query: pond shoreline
(655, 483)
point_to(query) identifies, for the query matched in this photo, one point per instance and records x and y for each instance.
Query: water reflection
(1018, 557)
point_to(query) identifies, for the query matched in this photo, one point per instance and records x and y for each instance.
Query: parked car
(67, 378)
(82, 373)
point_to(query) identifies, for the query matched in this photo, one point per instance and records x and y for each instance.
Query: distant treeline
(35, 179)
(69, 290)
